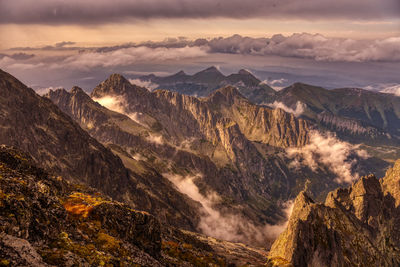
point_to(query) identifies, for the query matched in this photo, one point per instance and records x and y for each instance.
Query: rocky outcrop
(46, 220)
(356, 226)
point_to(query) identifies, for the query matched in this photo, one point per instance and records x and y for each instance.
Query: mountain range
(128, 175)
(203, 83)
(224, 144)
(353, 113)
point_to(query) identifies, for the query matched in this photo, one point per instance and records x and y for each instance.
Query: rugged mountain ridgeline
(355, 115)
(205, 82)
(223, 142)
(34, 124)
(48, 221)
(356, 226)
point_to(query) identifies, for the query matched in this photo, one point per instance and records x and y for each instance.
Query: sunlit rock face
(355, 226)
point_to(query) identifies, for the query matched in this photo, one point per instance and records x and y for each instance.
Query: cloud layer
(325, 150)
(299, 45)
(103, 11)
(297, 111)
(228, 226)
(312, 46)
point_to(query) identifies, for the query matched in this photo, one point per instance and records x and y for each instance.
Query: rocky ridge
(356, 226)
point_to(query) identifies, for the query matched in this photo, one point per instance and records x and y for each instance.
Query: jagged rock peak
(118, 78)
(300, 203)
(77, 90)
(116, 84)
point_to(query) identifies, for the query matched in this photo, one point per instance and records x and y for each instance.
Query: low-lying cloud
(227, 226)
(393, 89)
(328, 151)
(118, 104)
(297, 111)
(147, 84)
(156, 139)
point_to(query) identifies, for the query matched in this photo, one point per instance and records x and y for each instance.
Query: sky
(341, 43)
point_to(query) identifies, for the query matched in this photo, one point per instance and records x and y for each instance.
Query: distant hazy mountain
(207, 81)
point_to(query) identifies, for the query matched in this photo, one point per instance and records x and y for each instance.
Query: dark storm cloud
(103, 11)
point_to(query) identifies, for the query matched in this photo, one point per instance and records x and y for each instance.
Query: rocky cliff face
(356, 226)
(48, 221)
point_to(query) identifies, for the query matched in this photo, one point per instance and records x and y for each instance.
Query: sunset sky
(330, 43)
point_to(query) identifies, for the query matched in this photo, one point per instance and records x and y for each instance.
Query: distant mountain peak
(211, 69)
(115, 84)
(77, 90)
(117, 78)
(245, 72)
(180, 73)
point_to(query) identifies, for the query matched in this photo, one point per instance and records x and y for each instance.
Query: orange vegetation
(80, 204)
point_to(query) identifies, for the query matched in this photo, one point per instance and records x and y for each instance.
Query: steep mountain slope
(207, 81)
(357, 226)
(47, 221)
(354, 114)
(221, 146)
(35, 124)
